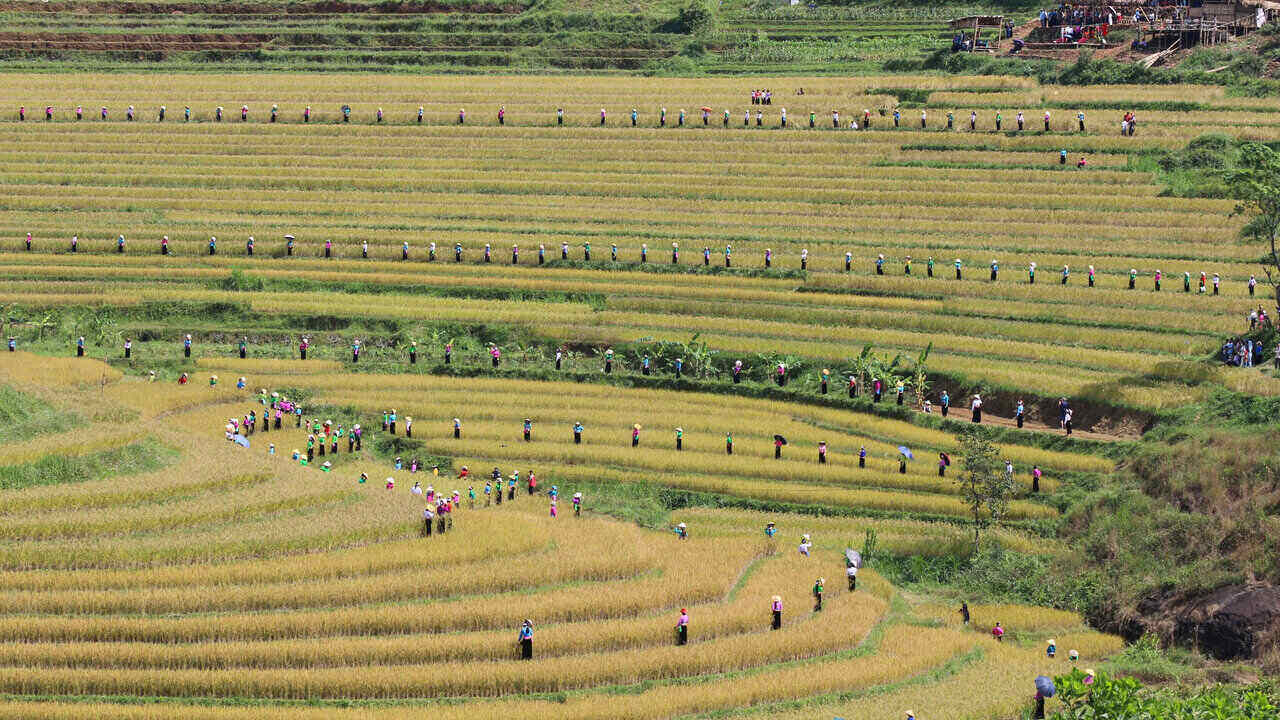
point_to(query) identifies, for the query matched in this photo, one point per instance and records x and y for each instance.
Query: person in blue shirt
(995, 270)
(770, 530)
(945, 402)
(528, 429)
(706, 256)
(679, 366)
(213, 245)
(958, 265)
(526, 640)
(577, 433)
(880, 265)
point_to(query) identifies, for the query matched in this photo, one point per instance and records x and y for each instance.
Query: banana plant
(920, 375)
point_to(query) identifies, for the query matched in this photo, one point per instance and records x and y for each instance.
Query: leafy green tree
(1255, 185)
(984, 486)
(696, 18)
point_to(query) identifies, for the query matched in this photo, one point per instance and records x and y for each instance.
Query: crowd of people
(757, 98)
(879, 264)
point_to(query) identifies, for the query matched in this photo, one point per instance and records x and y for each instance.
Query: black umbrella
(780, 439)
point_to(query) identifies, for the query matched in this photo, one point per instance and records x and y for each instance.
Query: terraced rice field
(160, 560)
(329, 35)
(234, 583)
(971, 197)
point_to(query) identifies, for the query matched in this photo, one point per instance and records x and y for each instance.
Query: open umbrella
(1045, 686)
(906, 452)
(780, 439)
(854, 557)
(241, 440)
(289, 237)
(706, 109)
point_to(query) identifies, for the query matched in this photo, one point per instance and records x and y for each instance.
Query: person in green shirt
(951, 120)
(728, 443)
(929, 266)
(1133, 277)
(817, 594)
(998, 120)
(679, 438)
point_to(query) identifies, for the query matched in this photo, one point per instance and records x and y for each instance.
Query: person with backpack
(526, 640)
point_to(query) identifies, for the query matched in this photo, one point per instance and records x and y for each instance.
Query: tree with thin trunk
(984, 487)
(1255, 185)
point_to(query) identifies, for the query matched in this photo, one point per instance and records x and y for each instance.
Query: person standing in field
(526, 640)
(944, 402)
(817, 594)
(502, 114)
(737, 372)
(958, 268)
(635, 116)
(728, 443)
(1091, 276)
(213, 245)
(851, 572)
(1021, 120)
(995, 270)
(559, 116)
(577, 433)
(186, 346)
(822, 452)
(602, 114)
(776, 606)
(1066, 273)
(976, 408)
(1158, 276)
(635, 435)
(682, 628)
(1020, 413)
(1133, 277)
